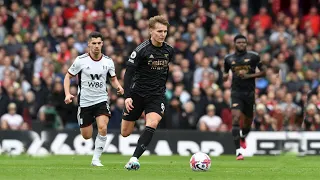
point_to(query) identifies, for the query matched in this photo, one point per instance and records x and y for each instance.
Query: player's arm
(113, 79)
(115, 84)
(262, 70)
(227, 68)
(127, 80)
(72, 71)
(132, 64)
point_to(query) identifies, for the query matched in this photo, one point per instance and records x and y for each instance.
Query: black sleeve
(127, 80)
(172, 56)
(226, 66)
(258, 63)
(134, 58)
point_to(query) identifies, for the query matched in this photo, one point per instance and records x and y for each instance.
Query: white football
(200, 162)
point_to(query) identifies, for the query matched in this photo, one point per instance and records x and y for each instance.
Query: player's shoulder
(106, 59)
(142, 45)
(168, 46)
(228, 56)
(252, 53)
(83, 56)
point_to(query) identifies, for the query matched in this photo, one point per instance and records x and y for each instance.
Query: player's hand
(68, 98)
(128, 103)
(120, 90)
(243, 74)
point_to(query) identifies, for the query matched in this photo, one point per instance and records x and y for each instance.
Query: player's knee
(125, 133)
(152, 123)
(247, 123)
(86, 136)
(102, 130)
(235, 118)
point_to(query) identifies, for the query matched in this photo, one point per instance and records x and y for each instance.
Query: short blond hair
(158, 19)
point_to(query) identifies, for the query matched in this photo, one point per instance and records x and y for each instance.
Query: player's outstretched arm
(227, 68)
(262, 70)
(225, 76)
(115, 84)
(66, 84)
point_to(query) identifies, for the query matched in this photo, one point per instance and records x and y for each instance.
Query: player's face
(95, 45)
(159, 33)
(241, 45)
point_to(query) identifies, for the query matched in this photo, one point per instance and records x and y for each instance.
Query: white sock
(238, 151)
(99, 146)
(133, 159)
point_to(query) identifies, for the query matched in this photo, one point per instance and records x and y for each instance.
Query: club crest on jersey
(133, 55)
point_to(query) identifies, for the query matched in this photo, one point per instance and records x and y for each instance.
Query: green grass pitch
(284, 167)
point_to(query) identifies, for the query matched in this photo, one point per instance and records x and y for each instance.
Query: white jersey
(92, 75)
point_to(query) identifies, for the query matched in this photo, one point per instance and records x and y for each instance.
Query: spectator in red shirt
(71, 10)
(311, 20)
(263, 18)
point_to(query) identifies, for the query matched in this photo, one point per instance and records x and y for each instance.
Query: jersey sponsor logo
(158, 64)
(133, 55)
(244, 68)
(95, 76)
(93, 84)
(246, 60)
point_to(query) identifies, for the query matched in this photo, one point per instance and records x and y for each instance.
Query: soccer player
(243, 65)
(145, 84)
(93, 70)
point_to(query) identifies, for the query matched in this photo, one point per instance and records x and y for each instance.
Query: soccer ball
(200, 162)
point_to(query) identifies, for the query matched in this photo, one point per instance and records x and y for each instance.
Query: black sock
(236, 135)
(245, 132)
(143, 141)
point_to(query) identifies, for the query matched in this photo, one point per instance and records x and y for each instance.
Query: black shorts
(146, 104)
(87, 115)
(244, 101)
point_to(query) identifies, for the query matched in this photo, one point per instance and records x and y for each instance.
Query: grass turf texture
(156, 167)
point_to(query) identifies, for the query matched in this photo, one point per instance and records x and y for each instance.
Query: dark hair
(95, 34)
(239, 36)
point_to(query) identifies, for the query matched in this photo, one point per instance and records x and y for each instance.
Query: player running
(243, 65)
(93, 70)
(145, 85)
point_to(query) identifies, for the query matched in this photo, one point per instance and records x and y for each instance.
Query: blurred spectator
(210, 122)
(189, 118)
(12, 120)
(312, 121)
(116, 114)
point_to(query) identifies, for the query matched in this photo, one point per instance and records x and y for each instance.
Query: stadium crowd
(38, 43)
